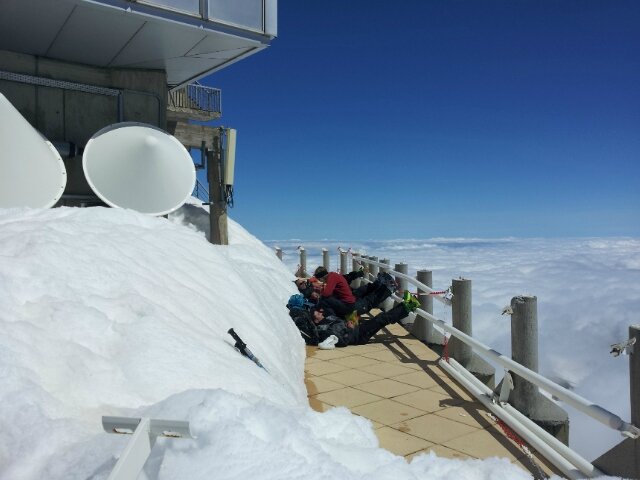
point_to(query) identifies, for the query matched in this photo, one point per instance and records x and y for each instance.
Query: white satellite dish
(32, 174)
(138, 166)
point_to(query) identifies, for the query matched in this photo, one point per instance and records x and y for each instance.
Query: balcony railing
(195, 102)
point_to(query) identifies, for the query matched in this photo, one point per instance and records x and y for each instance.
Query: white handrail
(597, 412)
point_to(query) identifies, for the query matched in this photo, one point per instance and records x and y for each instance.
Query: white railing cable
(587, 407)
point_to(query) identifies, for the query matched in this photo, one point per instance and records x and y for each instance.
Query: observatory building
(72, 68)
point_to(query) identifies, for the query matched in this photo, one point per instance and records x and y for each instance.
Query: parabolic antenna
(32, 174)
(138, 166)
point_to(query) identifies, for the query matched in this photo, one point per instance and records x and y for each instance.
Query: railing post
(388, 303)
(373, 269)
(302, 270)
(525, 396)
(402, 282)
(325, 259)
(524, 350)
(355, 265)
(386, 261)
(461, 319)
(422, 328)
(634, 375)
(343, 262)
(218, 231)
(279, 253)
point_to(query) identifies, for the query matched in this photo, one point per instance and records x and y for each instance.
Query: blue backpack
(298, 301)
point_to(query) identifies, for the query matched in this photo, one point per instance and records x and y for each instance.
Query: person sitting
(327, 323)
(337, 295)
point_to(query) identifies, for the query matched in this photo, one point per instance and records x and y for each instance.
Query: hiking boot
(410, 302)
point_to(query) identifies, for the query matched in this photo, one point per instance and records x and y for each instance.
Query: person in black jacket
(327, 323)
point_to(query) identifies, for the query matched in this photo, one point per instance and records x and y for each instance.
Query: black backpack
(303, 320)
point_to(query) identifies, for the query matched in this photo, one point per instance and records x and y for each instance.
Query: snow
(110, 312)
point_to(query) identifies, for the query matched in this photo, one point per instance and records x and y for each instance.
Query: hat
(320, 272)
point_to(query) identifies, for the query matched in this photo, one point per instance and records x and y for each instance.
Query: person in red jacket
(336, 294)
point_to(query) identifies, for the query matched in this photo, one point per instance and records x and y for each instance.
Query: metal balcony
(195, 102)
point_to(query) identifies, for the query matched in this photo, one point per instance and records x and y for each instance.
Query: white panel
(157, 41)
(188, 6)
(102, 34)
(219, 42)
(32, 173)
(29, 26)
(246, 13)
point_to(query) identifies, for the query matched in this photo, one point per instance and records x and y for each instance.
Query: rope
(520, 442)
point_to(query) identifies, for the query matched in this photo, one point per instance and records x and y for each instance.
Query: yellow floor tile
(317, 385)
(442, 452)
(400, 443)
(387, 388)
(347, 397)
(386, 369)
(453, 390)
(383, 356)
(352, 377)
(436, 429)
(369, 347)
(355, 361)
(322, 368)
(484, 444)
(470, 413)
(418, 379)
(332, 354)
(319, 406)
(425, 400)
(387, 411)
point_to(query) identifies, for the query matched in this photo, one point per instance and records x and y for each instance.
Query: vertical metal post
(279, 253)
(634, 375)
(355, 265)
(388, 303)
(302, 271)
(423, 329)
(325, 259)
(402, 282)
(217, 207)
(461, 319)
(524, 350)
(343, 262)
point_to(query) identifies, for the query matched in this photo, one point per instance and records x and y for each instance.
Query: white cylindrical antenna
(138, 166)
(32, 174)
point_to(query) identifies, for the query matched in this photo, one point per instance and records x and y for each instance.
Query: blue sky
(371, 119)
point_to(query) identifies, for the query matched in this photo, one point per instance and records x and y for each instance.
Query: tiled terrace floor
(412, 403)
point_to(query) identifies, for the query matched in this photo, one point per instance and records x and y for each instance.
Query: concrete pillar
(422, 328)
(218, 234)
(325, 259)
(461, 319)
(634, 375)
(525, 396)
(524, 350)
(302, 270)
(373, 269)
(386, 261)
(279, 253)
(388, 303)
(343, 262)
(403, 283)
(355, 265)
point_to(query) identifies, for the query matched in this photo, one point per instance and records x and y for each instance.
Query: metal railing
(196, 98)
(567, 460)
(200, 192)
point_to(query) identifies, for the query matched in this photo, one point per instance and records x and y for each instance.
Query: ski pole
(242, 347)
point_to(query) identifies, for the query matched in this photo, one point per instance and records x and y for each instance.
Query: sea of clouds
(588, 294)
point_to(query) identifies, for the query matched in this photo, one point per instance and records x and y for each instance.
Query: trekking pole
(242, 347)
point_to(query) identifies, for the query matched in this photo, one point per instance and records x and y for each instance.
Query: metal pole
(524, 350)
(423, 329)
(325, 259)
(461, 319)
(373, 269)
(388, 303)
(279, 253)
(217, 207)
(355, 265)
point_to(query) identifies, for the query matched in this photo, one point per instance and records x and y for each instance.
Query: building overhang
(188, 39)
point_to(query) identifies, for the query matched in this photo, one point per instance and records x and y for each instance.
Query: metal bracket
(505, 388)
(144, 432)
(625, 348)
